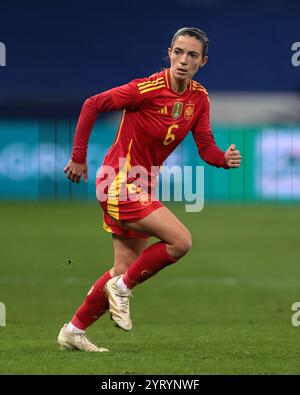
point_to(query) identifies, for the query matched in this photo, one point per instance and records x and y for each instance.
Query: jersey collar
(168, 83)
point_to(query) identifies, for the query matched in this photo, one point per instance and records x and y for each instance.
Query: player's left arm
(233, 156)
(207, 147)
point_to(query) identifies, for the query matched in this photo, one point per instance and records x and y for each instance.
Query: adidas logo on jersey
(163, 110)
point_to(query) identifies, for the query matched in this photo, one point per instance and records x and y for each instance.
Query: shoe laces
(123, 299)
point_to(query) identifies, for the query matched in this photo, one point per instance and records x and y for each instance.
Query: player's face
(186, 57)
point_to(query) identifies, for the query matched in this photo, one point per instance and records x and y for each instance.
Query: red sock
(151, 261)
(94, 305)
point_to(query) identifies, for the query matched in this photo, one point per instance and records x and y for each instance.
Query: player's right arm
(122, 97)
(75, 170)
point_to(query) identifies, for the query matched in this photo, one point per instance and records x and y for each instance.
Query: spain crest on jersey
(144, 198)
(189, 111)
(177, 110)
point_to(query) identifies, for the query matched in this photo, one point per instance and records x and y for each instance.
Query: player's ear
(204, 61)
(169, 52)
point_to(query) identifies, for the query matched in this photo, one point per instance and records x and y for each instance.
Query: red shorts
(137, 206)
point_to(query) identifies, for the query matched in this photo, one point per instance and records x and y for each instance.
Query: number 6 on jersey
(170, 137)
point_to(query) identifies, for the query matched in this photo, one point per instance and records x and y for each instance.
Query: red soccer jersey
(155, 120)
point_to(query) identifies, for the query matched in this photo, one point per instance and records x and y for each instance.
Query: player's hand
(74, 171)
(232, 156)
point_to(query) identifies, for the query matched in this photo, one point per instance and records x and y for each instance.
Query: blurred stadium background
(60, 53)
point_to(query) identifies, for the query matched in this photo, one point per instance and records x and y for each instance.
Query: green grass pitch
(225, 308)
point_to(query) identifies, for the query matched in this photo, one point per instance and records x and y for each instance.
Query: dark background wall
(59, 52)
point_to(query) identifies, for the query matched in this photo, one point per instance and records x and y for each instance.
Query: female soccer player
(158, 112)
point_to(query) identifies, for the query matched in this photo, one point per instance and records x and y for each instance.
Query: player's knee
(183, 244)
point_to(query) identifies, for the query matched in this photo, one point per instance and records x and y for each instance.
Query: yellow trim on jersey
(158, 80)
(115, 187)
(201, 90)
(120, 127)
(148, 86)
(106, 227)
(197, 83)
(167, 78)
(153, 88)
(197, 86)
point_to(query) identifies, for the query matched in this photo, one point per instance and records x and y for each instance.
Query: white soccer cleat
(76, 341)
(118, 304)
